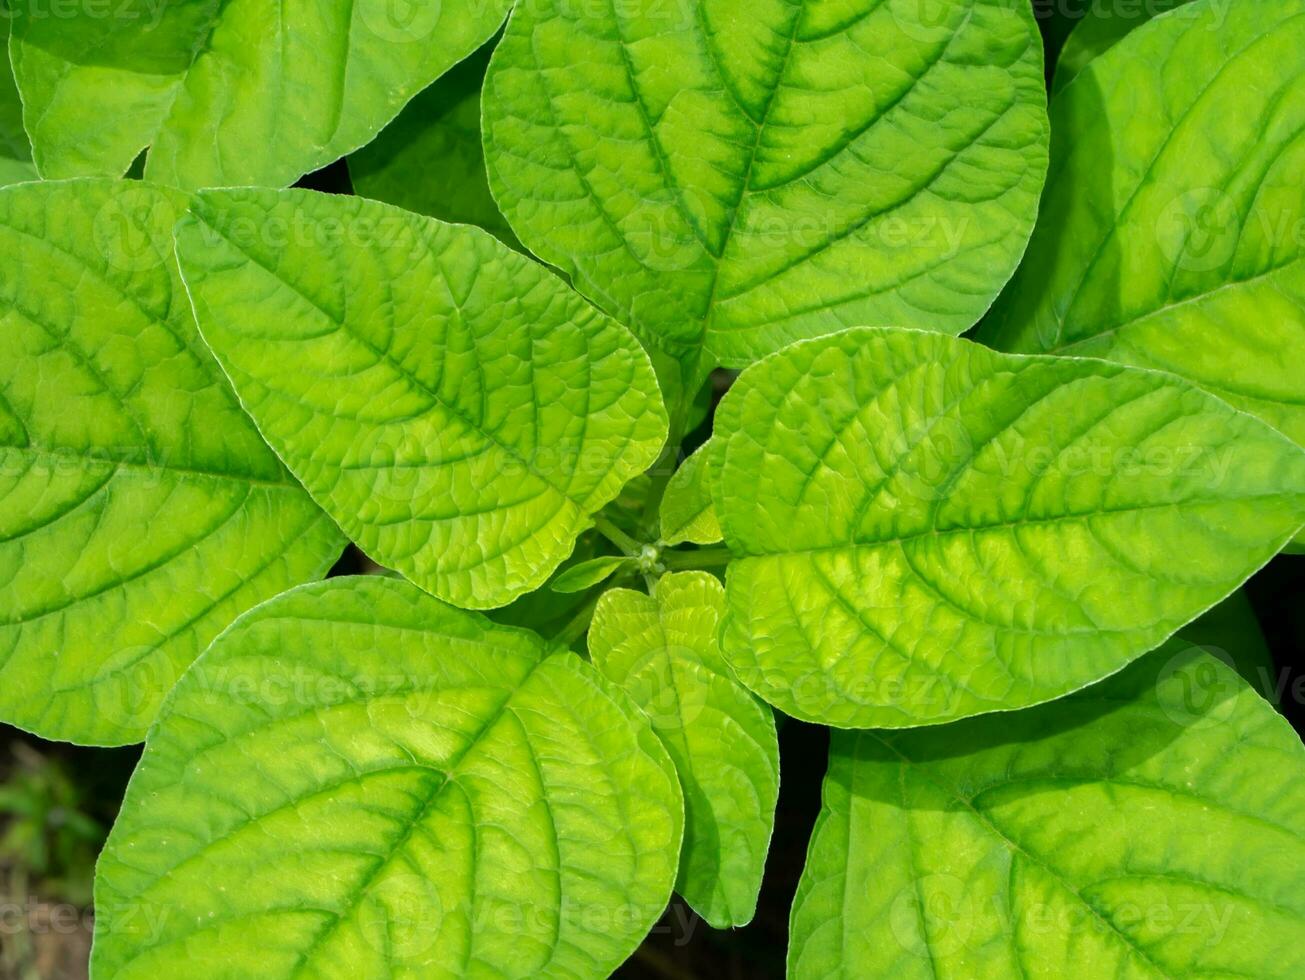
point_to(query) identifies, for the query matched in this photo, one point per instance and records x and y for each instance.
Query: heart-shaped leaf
(140, 512)
(663, 651)
(455, 407)
(228, 93)
(1151, 826)
(735, 174)
(359, 781)
(960, 531)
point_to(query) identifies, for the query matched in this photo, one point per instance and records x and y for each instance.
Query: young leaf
(140, 512)
(429, 160)
(454, 406)
(662, 651)
(687, 512)
(959, 531)
(587, 574)
(1152, 826)
(15, 151)
(550, 613)
(734, 175)
(1104, 24)
(237, 92)
(359, 781)
(1172, 234)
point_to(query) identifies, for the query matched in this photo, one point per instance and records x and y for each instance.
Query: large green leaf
(1173, 229)
(959, 531)
(227, 92)
(15, 151)
(1150, 827)
(662, 650)
(738, 174)
(359, 781)
(140, 512)
(1104, 24)
(429, 160)
(455, 407)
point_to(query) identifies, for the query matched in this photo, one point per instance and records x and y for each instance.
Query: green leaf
(15, 151)
(662, 650)
(456, 409)
(430, 160)
(359, 781)
(959, 531)
(687, 512)
(587, 574)
(228, 93)
(1152, 826)
(140, 512)
(1104, 24)
(736, 174)
(1172, 234)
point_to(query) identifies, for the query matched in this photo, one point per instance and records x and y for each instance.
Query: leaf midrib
(127, 465)
(1024, 522)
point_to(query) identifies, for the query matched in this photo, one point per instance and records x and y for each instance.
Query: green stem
(696, 560)
(614, 534)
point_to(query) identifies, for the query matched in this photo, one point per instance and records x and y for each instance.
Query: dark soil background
(69, 796)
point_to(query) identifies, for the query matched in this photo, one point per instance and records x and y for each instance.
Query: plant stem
(700, 559)
(614, 534)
